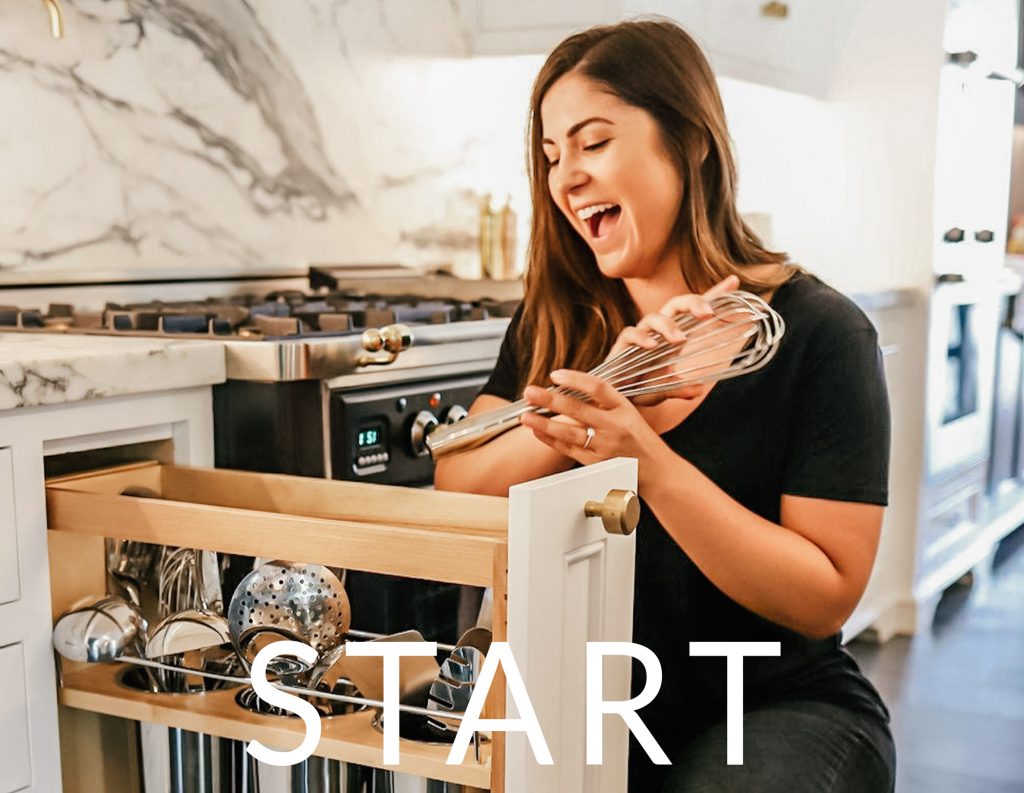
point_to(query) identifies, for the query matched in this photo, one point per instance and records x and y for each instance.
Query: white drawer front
(9, 585)
(15, 762)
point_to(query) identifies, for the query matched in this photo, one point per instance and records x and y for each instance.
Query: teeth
(590, 211)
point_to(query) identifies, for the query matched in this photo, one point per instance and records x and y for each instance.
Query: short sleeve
(839, 443)
(505, 379)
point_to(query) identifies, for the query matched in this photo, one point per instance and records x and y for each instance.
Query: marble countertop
(45, 369)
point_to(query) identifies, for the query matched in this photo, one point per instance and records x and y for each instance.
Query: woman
(763, 495)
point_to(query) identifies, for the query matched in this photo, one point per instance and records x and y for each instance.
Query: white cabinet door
(570, 582)
(10, 587)
(15, 759)
(497, 27)
(795, 52)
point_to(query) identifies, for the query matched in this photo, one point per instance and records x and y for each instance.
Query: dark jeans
(789, 747)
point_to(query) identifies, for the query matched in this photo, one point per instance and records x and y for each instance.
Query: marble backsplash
(165, 135)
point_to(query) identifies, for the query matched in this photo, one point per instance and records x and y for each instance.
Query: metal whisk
(740, 337)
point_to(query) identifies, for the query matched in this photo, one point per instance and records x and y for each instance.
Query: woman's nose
(570, 174)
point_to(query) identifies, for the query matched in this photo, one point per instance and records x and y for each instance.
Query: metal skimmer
(305, 602)
(740, 337)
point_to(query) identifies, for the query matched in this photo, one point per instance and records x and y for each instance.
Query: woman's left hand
(616, 427)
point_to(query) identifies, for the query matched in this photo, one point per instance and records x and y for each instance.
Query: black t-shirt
(814, 422)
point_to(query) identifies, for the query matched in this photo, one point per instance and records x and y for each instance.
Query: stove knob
(424, 423)
(455, 413)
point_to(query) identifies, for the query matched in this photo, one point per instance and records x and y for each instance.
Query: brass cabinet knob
(392, 339)
(619, 512)
(775, 10)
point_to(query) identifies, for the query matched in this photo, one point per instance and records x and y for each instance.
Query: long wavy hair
(572, 313)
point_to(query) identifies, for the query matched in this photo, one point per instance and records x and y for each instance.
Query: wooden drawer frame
(451, 537)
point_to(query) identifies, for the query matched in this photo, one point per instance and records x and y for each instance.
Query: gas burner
(282, 314)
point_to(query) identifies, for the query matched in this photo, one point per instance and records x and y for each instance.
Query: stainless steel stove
(341, 376)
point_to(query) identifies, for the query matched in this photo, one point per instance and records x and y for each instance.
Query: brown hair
(572, 313)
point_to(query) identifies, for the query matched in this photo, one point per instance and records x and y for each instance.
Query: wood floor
(957, 693)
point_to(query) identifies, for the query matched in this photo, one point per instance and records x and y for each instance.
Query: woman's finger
(726, 285)
(569, 434)
(665, 325)
(564, 405)
(700, 305)
(687, 304)
(632, 337)
(600, 392)
(560, 446)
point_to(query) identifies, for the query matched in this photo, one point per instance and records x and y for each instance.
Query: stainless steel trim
(325, 423)
(286, 360)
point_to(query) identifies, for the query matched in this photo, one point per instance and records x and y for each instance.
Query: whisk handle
(475, 430)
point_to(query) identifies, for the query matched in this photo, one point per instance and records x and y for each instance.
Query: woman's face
(611, 176)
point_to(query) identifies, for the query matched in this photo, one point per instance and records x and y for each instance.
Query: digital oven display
(370, 437)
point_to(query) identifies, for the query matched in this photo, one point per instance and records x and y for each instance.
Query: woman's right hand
(652, 329)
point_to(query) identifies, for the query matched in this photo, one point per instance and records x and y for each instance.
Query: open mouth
(601, 223)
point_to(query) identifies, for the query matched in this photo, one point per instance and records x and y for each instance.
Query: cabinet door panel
(10, 588)
(570, 582)
(527, 14)
(15, 761)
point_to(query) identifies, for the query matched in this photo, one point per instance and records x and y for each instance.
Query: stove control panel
(379, 434)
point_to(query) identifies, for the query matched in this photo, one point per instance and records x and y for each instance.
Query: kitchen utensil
(740, 337)
(281, 600)
(453, 687)
(415, 673)
(99, 630)
(182, 638)
(189, 579)
(187, 631)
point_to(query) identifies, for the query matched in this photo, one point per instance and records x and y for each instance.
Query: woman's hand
(650, 331)
(613, 424)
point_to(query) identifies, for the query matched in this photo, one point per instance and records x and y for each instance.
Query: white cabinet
(974, 137)
(10, 587)
(15, 762)
(791, 45)
(887, 604)
(30, 758)
(795, 52)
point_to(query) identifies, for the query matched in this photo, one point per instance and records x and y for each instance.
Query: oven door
(961, 372)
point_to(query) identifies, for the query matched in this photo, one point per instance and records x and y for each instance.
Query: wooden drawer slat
(324, 498)
(395, 550)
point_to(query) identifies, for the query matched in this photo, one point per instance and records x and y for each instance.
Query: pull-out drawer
(559, 580)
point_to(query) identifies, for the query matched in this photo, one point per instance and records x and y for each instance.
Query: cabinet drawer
(15, 758)
(423, 534)
(10, 587)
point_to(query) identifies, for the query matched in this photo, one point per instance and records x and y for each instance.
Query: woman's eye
(596, 146)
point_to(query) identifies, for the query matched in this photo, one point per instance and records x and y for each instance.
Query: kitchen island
(65, 402)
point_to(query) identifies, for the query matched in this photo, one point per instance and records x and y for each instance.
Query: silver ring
(591, 432)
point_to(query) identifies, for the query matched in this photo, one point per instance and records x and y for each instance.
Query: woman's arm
(514, 457)
(806, 572)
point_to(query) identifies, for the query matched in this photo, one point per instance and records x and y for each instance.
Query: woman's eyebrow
(580, 125)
